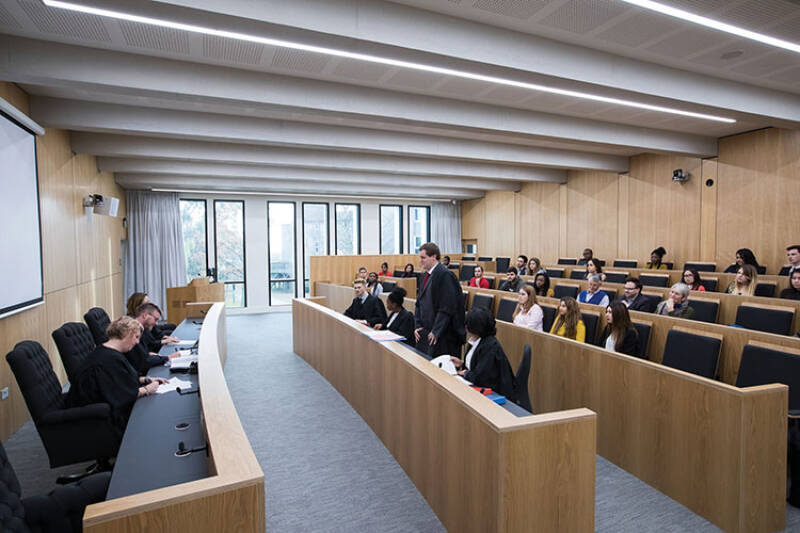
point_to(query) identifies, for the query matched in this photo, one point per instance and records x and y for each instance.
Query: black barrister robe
(106, 377)
(372, 310)
(490, 368)
(140, 359)
(440, 309)
(402, 325)
(149, 340)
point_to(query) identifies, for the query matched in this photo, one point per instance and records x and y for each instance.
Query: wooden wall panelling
(592, 213)
(501, 226)
(538, 221)
(623, 217)
(344, 268)
(708, 213)
(562, 220)
(11, 93)
(473, 221)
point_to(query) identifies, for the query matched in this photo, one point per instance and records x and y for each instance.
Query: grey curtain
(446, 226)
(153, 252)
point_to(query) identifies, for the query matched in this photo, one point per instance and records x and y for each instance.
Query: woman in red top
(691, 277)
(479, 280)
(385, 270)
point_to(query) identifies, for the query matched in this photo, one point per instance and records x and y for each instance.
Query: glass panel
(391, 229)
(315, 235)
(193, 226)
(229, 243)
(348, 232)
(418, 227)
(281, 252)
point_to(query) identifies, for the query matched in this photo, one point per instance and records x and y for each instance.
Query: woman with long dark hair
(619, 334)
(542, 285)
(569, 323)
(691, 277)
(744, 256)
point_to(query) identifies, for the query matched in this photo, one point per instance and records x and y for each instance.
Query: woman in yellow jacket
(569, 323)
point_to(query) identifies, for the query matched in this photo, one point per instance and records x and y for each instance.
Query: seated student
(535, 266)
(677, 303)
(542, 284)
(143, 356)
(528, 313)
(485, 364)
(522, 265)
(792, 292)
(633, 298)
(365, 307)
(362, 273)
(655, 259)
(619, 334)
(512, 281)
(569, 323)
(159, 331)
(373, 285)
(106, 376)
(446, 260)
(745, 282)
(408, 271)
(593, 267)
(593, 295)
(793, 256)
(691, 277)
(587, 254)
(744, 256)
(399, 321)
(478, 280)
(385, 270)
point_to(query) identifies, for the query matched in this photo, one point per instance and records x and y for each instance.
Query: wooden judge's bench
(198, 290)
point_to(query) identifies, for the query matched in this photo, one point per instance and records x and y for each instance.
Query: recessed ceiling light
(377, 59)
(715, 24)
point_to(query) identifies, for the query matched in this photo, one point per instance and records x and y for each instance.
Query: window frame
(380, 227)
(327, 237)
(205, 226)
(244, 248)
(336, 227)
(294, 250)
(427, 229)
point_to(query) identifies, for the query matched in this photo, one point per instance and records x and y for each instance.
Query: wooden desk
(231, 499)
(480, 468)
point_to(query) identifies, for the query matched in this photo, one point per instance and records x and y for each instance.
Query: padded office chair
(577, 274)
(74, 342)
(590, 321)
(555, 272)
(769, 320)
(484, 258)
(616, 277)
(653, 280)
(548, 316)
(560, 291)
(701, 267)
(697, 354)
(388, 286)
(567, 261)
(98, 321)
(625, 263)
(709, 284)
(59, 511)
(505, 309)
(766, 290)
(502, 263)
(704, 310)
(644, 338)
(70, 434)
(523, 371)
(485, 301)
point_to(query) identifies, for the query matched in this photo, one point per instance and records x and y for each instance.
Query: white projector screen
(20, 232)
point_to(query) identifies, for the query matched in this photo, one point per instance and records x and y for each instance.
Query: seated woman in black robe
(106, 376)
(399, 321)
(486, 364)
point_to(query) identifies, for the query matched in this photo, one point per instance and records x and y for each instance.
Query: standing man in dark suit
(365, 306)
(439, 311)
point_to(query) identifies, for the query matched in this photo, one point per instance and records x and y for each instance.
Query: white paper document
(445, 363)
(173, 384)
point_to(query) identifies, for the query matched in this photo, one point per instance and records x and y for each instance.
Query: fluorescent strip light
(308, 195)
(381, 60)
(715, 24)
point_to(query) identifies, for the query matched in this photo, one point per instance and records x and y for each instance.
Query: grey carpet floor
(324, 469)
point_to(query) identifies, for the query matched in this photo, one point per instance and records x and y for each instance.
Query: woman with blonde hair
(745, 282)
(569, 323)
(528, 313)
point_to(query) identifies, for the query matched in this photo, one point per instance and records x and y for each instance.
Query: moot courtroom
(400, 266)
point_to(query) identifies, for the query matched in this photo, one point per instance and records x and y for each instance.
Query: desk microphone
(183, 452)
(184, 393)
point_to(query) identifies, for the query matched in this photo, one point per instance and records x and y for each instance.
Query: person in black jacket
(144, 355)
(485, 364)
(365, 306)
(792, 292)
(439, 311)
(619, 334)
(634, 300)
(399, 320)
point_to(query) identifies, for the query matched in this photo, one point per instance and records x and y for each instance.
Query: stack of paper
(383, 335)
(183, 362)
(173, 384)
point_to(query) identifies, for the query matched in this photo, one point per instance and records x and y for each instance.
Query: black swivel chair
(388, 286)
(74, 342)
(70, 434)
(98, 321)
(59, 511)
(704, 310)
(697, 354)
(548, 316)
(485, 301)
(505, 309)
(523, 371)
(644, 338)
(769, 320)
(560, 291)
(590, 321)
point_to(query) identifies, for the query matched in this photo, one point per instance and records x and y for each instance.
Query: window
(419, 226)
(391, 224)
(316, 238)
(195, 242)
(348, 229)
(229, 249)
(281, 237)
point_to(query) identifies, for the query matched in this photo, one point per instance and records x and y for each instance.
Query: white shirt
(391, 319)
(533, 319)
(378, 289)
(468, 358)
(610, 343)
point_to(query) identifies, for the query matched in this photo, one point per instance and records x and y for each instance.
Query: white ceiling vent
(232, 50)
(7, 20)
(63, 22)
(579, 16)
(154, 37)
(299, 60)
(359, 70)
(519, 9)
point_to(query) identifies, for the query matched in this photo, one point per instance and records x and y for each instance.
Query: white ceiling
(170, 109)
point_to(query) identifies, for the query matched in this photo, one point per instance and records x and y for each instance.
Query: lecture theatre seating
(523, 372)
(644, 338)
(505, 309)
(555, 272)
(485, 258)
(704, 310)
(770, 320)
(616, 277)
(491, 280)
(388, 286)
(549, 316)
(654, 280)
(590, 321)
(710, 284)
(761, 366)
(561, 291)
(701, 266)
(502, 263)
(766, 289)
(625, 263)
(567, 261)
(577, 274)
(467, 271)
(485, 301)
(698, 354)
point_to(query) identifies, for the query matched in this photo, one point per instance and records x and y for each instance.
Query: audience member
(792, 292)
(408, 271)
(373, 285)
(568, 323)
(362, 273)
(793, 256)
(478, 280)
(366, 307)
(535, 266)
(745, 282)
(619, 334)
(385, 270)
(522, 265)
(512, 281)
(439, 311)
(593, 267)
(528, 313)
(446, 260)
(744, 256)
(677, 303)
(400, 320)
(691, 277)
(593, 295)
(633, 298)
(485, 364)
(587, 254)
(542, 284)
(655, 259)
